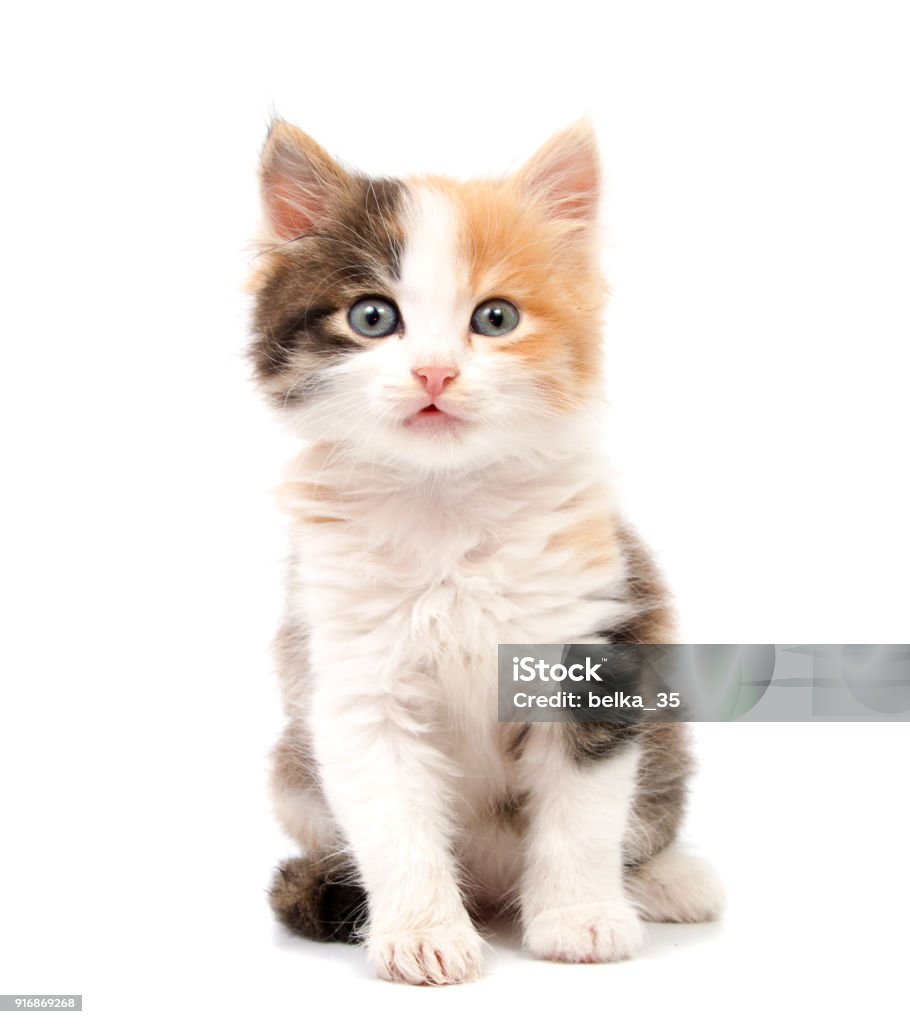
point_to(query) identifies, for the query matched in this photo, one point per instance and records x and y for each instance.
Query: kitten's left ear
(565, 174)
(299, 181)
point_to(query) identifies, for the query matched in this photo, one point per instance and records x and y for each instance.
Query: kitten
(437, 346)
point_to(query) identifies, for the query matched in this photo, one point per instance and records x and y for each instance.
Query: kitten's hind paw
(586, 933)
(439, 955)
(675, 886)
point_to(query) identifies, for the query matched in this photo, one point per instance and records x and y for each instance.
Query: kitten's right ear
(298, 180)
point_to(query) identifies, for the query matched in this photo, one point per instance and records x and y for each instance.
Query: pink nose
(435, 379)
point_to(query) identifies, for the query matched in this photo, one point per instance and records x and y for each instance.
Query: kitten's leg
(675, 886)
(664, 882)
(317, 895)
(297, 797)
(387, 787)
(573, 901)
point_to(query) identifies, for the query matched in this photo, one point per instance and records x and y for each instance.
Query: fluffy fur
(429, 524)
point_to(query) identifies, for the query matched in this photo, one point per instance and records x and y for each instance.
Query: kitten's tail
(319, 898)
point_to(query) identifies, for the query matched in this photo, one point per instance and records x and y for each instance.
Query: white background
(757, 226)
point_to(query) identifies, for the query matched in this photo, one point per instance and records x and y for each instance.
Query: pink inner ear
(292, 208)
(565, 174)
(298, 181)
(571, 185)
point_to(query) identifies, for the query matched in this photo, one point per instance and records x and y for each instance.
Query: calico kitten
(437, 347)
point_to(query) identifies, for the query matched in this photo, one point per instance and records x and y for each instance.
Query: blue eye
(494, 318)
(373, 318)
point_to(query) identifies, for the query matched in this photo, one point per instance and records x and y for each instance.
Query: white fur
(572, 898)
(304, 815)
(428, 956)
(414, 557)
(433, 292)
(676, 886)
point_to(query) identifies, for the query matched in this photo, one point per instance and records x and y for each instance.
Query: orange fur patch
(592, 535)
(548, 267)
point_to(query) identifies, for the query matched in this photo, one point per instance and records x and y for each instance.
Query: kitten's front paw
(439, 955)
(586, 933)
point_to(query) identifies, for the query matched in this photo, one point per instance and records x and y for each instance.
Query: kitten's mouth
(431, 415)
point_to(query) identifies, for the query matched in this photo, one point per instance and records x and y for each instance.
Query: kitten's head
(427, 322)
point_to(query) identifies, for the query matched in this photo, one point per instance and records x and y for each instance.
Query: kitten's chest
(411, 598)
(454, 575)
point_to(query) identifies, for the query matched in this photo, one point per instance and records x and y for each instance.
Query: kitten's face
(429, 323)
